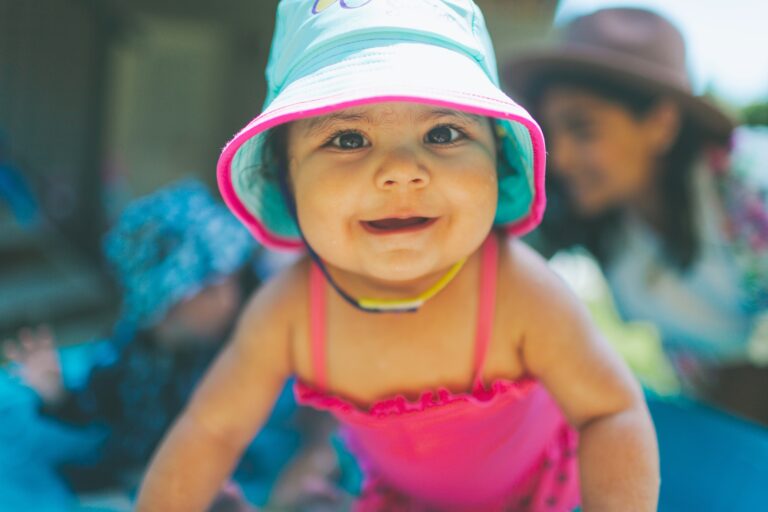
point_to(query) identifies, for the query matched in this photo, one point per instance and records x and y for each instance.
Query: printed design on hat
(321, 5)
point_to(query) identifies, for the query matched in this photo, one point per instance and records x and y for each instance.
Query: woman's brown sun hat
(628, 46)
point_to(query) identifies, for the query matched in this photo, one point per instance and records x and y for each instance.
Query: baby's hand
(308, 484)
(37, 362)
(231, 499)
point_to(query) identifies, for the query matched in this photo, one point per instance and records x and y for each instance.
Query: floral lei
(745, 199)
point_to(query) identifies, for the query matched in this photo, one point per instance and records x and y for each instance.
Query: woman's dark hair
(563, 226)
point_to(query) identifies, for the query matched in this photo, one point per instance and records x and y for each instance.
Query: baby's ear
(498, 130)
(498, 138)
(503, 166)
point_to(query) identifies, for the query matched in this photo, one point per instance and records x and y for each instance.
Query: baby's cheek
(324, 224)
(482, 192)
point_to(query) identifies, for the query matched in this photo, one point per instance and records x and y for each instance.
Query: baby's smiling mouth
(397, 224)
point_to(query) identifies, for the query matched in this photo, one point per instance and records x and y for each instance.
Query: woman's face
(605, 155)
(394, 191)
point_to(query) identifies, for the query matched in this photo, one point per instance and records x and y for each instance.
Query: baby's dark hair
(564, 227)
(274, 156)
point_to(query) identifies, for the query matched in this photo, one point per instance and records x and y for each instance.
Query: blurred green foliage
(755, 114)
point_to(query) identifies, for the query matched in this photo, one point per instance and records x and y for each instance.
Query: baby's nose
(401, 168)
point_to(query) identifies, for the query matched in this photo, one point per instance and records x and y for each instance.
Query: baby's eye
(348, 140)
(443, 135)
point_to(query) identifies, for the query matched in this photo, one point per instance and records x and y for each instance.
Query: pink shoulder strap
(486, 305)
(317, 325)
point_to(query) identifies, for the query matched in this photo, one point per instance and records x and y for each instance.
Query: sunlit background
(726, 42)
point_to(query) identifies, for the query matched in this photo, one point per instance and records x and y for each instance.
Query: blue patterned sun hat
(169, 245)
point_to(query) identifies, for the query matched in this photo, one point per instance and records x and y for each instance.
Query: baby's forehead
(383, 114)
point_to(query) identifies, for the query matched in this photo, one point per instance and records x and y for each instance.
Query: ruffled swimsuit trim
(400, 405)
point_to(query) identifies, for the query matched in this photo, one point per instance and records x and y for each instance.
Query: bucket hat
(628, 46)
(328, 55)
(169, 245)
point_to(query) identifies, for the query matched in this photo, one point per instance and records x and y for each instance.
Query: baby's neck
(363, 286)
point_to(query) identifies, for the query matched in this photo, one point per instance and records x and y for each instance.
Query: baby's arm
(618, 455)
(229, 407)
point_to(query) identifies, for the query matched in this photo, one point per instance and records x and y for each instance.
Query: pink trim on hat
(268, 238)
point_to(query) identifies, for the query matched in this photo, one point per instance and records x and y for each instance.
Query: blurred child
(183, 263)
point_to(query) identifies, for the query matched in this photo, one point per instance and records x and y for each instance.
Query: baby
(463, 373)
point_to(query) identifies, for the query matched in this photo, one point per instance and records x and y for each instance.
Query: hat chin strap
(368, 305)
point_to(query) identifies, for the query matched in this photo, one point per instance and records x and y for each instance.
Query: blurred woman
(660, 188)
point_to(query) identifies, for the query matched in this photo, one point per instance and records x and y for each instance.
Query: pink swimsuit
(502, 447)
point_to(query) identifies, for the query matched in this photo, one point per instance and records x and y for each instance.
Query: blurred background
(103, 101)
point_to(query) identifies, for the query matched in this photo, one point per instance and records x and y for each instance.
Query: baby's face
(394, 191)
(203, 318)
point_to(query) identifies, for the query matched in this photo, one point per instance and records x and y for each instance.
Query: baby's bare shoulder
(526, 276)
(273, 313)
(242, 385)
(281, 291)
(535, 294)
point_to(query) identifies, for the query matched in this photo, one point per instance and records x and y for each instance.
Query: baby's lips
(397, 224)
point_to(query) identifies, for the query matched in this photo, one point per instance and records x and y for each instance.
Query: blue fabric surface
(30, 448)
(32, 445)
(710, 461)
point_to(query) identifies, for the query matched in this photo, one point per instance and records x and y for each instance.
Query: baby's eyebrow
(322, 123)
(447, 112)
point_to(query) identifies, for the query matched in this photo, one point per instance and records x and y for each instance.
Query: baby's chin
(399, 271)
(399, 275)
